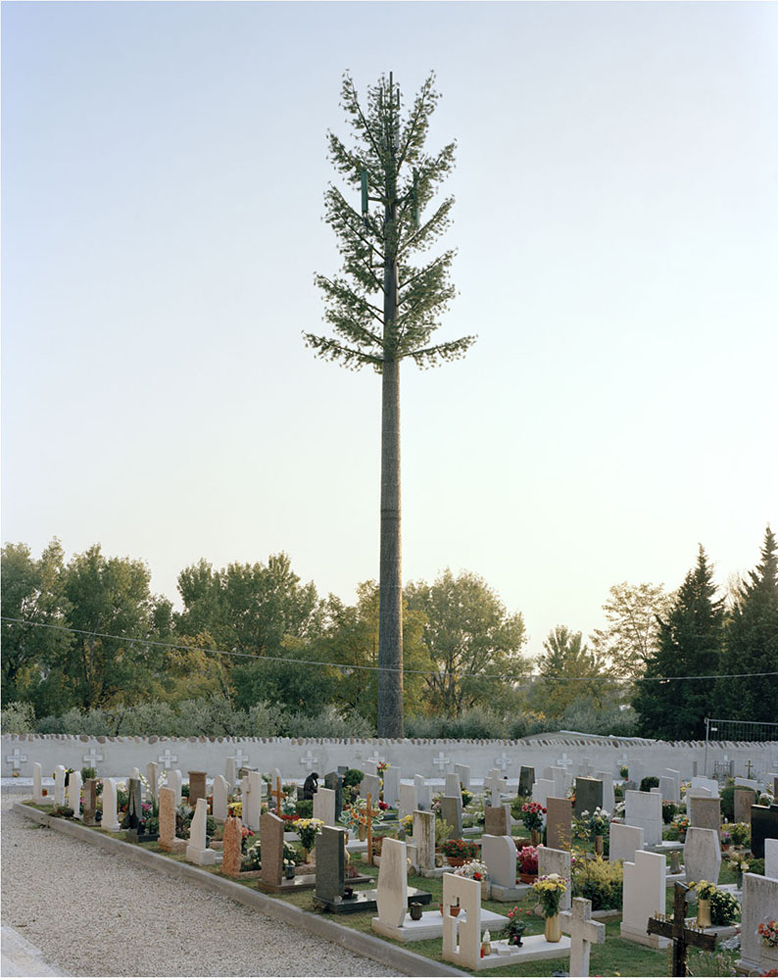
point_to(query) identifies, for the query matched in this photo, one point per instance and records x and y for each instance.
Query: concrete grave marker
(334, 782)
(553, 861)
(624, 841)
(271, 840)
(152, 778)
(74, 793)
(168, 841)
(608, 796)
(59, 786)
(704, 812)
(37, 784)
(744, 800)
(110, 820)
(583, 932)
(452, 785)
(324, 805)
(196, 851)
(541, 790)
(559, 823)
(645, 810)
(497, 820)
(451, 813)
(424, 836)
(221, 790)
(251, 793)
(702, 855)
(423, 798)
(463, 774)
(391, 778)
(759, 904)
(644, 894)
(408, 799)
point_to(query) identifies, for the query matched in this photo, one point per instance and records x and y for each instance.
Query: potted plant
(705, 891)
(681, 825)
(307, 830)
(724, 908)
(459, 851)
(516, 927)
(737, 863)
(290, 861)
(599, 825)
(532, 818)
(528, 865)
(549, 890)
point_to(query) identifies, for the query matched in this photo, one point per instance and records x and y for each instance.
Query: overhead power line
(331, 663)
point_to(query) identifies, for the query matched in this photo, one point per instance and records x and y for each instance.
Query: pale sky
(164, 166)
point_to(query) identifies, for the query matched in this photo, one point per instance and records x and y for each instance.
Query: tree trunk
(390, 627)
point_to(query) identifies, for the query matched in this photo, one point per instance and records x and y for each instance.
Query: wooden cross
(677, 930)
(279, 795)
(583, 931)
(370, 812)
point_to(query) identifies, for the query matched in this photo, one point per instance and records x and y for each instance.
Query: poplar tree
(383, 308)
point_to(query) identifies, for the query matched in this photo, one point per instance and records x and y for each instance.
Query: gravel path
(99, 915)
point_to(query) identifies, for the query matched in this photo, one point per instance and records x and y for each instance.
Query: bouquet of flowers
(705, 889)
(381, 767)
(549, 890)
(681, 823)
(737, 863)
(290, 856)
(740, 834)
(516, 926)
(235, 809)
(724, 908)
(473, 869)
(406, 826)
(599, 821)
(618, 812)
(528, 860)
(307, 829)
(246, 839)
(769, 932)
(532, 815)
(465, 850)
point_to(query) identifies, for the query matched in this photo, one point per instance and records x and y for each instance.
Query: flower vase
(486, 889)
(362, 832)
(599, 846)
(305, 855)
(703, 913)
(416, 910)
(739, 879)
(675, 862)
(535, 835)
(553, 931)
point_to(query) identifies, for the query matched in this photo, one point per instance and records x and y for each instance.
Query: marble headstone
(744, 799)
(559, 823)
(196, 851)
(759, 904)
(526, 779)
(334, 781)
(645, 810)
(588, 795)
(764, 826)
(408, 801)
(110, 821)
(330, 864)
(553, 861)
(624, 841)
(644, 894)
(324, 805)
(451, 813)
(499, 856)
(463, 774)
(220, 797)
(702, 855)
(391, 779)
(271, 838)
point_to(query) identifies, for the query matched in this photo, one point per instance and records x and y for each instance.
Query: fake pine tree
(382, 308)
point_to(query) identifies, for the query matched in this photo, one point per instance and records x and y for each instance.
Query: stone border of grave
(363, 943)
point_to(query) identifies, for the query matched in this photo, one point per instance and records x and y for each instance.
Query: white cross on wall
(241, 758)
(16, 759)
(503, 762)
(92, 757)
(441, 761)
(167, 758)
(564, 761)
(308, 759)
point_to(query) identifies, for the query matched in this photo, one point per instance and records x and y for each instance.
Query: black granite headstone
(588, 795)
(526, 779)
(330, 864)
(764, 825)
(134, 812)
(334, 782)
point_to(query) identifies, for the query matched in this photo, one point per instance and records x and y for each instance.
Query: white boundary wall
(430, 757)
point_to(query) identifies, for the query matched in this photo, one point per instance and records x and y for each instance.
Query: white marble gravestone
(608, 797)
(675, 775)
(37, 784)
(555, 862)
(74, 793)
(174, 780)
(324, 805)
(196, 851)
(563, 781)
(392, 898)
(759, 904)
(583, 932)
(624, 841)
(221, 790)
(645, 810)
(408, 799)
(391, 778)
(771, 858)
(231, 770)
(702, 782)
(702, 855)
(645, 881)
(499, 856)
(370, 785)
(423, 797)
(59, 785)
(463, 774)
(452, 785)
(152, 778)
(542, 789)
(110, 818)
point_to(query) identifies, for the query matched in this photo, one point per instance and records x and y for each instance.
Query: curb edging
(405, 960)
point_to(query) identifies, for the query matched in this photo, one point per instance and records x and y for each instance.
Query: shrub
(304, 808)
(327, 724)
(647, 783)
(600, 881)
(668, 811)
(18, 718)
(724, 908)
(352, 777)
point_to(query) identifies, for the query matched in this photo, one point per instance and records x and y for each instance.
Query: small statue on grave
(310, 786)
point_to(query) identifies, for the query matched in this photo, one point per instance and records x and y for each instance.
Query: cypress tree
(751, 644)
(690, 644)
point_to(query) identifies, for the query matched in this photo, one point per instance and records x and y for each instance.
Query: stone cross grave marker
(681, 935)
(15, 759)
(503, 761)
(167, 759)
(92, 757)
(308, 761)
(241, 758)
(583, 931)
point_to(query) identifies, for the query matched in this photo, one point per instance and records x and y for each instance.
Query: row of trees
(88, 634)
